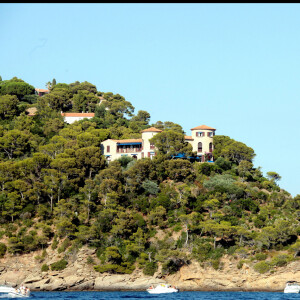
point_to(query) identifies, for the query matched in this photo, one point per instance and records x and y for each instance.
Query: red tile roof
(203, 127)
(152, 129)
(42, 90)
(187, 137)
(129, 141)
(85, 115)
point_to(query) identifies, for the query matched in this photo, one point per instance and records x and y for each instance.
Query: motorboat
(162, 289)
(12, 292)
(292, 287)
(5, 289)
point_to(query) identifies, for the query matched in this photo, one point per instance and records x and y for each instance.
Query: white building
(72, 117)
(41, 92)
(201, 141)
(137, 148)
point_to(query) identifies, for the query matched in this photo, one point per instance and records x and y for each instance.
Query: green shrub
(216, 264)
(64, 245)
(261, 256)
(109, 268)
(150, 268)
(125, 268)
(45, 268)
(101, 254)
(54, 243)
(262, 267)
(242, 252)
(177, 227)
(171, 266)
(90, 260)
(3, 249)
(59, 265)
(142, 260)
(202, 251)
(217, 253)
(259, 220)
(231, 250)
(30, 242)
(240, 264)
(15, 245)
(281, 260)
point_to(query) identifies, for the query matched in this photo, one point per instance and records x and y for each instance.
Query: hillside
(63, 207)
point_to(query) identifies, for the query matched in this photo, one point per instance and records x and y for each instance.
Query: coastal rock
(13, 278)
(116, 282)
(80, 276)
(84, 286)
(32, 278)
(57, 284)
(125, 282)
(73, 280)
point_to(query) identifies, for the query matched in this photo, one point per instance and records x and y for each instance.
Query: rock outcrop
(80, 276)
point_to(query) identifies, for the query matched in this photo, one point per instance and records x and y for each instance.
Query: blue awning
(182, 156)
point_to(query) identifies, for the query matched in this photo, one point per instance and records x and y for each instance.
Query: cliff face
(79, 276)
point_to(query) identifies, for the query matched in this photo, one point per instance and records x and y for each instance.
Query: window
(199, 147)
(151, 154)
(108, 149)
(210, 134)
(200, 133)
(210, 147)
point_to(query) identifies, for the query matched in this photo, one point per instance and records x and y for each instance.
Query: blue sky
(234, 67)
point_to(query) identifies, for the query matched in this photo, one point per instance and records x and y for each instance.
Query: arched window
(199, 147)
(210, 147)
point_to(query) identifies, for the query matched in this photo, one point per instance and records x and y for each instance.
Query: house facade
(201, 141)
(41, 92)
(72, 117)
(136, 148)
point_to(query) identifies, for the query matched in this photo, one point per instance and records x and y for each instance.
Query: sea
(145, 295)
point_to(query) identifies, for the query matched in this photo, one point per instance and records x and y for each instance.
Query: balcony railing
(209, 151)
(129, 150)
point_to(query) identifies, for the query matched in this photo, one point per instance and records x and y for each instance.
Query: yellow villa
(201, 141)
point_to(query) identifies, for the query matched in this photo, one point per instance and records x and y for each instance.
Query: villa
(72, 117)
(41, 92)
(201, 141)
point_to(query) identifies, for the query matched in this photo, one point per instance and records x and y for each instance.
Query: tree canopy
(57, 189)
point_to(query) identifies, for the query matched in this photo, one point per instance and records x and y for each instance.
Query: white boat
(162, 289)
(292, 287)
(11, 292)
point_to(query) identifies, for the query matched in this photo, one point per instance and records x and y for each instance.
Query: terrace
(129, 147)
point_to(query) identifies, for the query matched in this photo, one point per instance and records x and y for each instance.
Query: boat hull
(291, 291)
(292, 287)
(162, 290)
(12, 292)
(165, 292)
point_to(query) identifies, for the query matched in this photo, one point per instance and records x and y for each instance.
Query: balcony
(129, 150)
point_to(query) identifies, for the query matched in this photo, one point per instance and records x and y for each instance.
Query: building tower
(148, 148)
(202, 141)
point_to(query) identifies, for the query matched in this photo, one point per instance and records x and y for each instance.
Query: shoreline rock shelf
(80, 276)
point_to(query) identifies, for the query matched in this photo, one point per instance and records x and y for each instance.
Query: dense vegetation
(57, 190)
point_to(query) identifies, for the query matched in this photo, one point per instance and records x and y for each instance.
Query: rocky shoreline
(80, 276)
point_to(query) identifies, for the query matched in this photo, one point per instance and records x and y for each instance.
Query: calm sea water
(145, 295)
